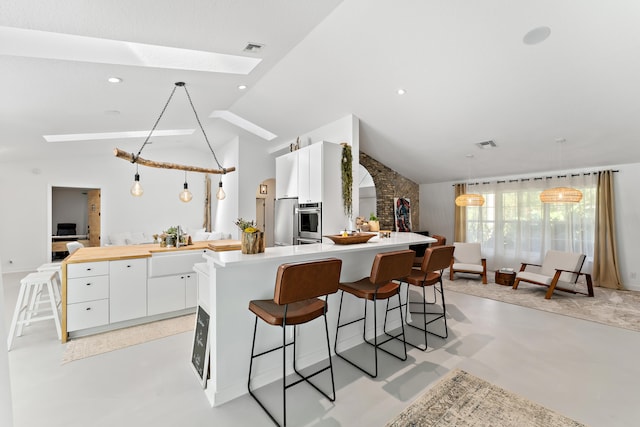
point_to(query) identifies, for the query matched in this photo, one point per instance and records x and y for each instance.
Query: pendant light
(469, 199)
(561, 194)
(136, 188)
(185, 195)
(220, 194)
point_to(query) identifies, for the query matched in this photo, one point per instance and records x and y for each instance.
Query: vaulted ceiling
(469, 73)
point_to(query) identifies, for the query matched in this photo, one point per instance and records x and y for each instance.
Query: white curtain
(514, 226)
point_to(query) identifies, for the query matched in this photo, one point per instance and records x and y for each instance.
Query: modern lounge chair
(467, 258)
(559, 270)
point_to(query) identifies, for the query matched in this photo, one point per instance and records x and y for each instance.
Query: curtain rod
(537, 178)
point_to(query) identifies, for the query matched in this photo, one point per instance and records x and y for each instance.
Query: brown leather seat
(430, 273)
(296, 301)
(380, 285)
(440, 241)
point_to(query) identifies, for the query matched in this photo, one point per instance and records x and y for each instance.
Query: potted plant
(171, 235)
(374, 223)
(252, 239)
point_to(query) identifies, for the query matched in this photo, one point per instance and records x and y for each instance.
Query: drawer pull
(88, 269)
(128, 266)
(88, 308)
(89, 284)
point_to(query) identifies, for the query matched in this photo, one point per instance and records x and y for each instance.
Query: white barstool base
(30, 297)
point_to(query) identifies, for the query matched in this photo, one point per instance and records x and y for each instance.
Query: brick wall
(390, 184)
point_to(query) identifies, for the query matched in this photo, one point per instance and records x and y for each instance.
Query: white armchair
(467, 258)
(559, 270)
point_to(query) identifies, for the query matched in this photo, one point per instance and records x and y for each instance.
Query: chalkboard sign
(200, 351)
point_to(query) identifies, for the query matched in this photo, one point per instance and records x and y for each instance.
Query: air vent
(486, 144)
(253, 47)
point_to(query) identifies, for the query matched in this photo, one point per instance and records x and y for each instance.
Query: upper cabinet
(310, 173)
(287, 175)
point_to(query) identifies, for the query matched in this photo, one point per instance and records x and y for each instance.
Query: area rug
(461, 399)
(79, 348)
(610, 307)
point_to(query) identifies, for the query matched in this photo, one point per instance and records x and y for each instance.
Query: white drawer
(89, 314)
(86, 269)
(82, 289)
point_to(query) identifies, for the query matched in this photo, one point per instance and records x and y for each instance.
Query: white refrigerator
(286, 228)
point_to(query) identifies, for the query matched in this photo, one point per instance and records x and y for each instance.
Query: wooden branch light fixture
(135, 158)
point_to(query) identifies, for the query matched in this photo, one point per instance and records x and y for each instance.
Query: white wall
(6, 408)
(437, 216)
(25, 188)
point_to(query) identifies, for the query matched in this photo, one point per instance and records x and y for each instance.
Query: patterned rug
(460, 399)
(614, 308)
(79, 348)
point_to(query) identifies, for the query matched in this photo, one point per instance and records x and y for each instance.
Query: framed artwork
(263, 188)
(402, 213)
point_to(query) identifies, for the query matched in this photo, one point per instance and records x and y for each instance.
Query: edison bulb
(220, 195)
(136, 188)
(185, 195)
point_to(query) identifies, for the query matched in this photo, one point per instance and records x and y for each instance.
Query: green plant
(372, 217)
(172, 231)
(347, 178)
(246, 226)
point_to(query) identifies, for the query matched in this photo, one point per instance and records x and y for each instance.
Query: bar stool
(29, 298)
(435, 260)
(57, 267)
(296, 301)
(380, 285)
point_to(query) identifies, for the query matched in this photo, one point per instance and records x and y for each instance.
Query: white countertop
(231, 258)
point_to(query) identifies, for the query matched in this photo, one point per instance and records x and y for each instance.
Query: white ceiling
(468, 78)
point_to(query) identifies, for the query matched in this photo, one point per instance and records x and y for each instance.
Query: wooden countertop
(112, 253)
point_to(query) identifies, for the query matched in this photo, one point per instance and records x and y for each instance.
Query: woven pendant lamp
(561, 194)
(469, 199)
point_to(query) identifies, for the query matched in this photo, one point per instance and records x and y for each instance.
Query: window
(514, 226)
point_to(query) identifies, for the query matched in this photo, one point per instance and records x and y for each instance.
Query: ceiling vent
(486, 144)
(253, 47)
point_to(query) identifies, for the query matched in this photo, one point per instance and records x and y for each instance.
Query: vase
(374, 225)
(252, 243)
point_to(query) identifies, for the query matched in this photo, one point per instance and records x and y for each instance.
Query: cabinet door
(127, 289)
(303, 175)
(166, 294)
(310, 174)
(191, 290)
(287, 175)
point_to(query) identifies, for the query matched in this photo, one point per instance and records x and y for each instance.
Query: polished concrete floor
(584, 370)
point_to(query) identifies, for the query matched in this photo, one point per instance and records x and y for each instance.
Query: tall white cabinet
(313, 174)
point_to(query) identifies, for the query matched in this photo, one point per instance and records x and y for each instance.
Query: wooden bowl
(338, 239)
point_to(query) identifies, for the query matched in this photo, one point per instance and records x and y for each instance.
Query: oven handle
(302, 239)
(308, 210)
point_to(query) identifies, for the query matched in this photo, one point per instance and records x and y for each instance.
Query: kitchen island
(112, 287)
(235, 279)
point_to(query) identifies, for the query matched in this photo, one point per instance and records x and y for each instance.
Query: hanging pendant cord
(201, 128)
(133, 160)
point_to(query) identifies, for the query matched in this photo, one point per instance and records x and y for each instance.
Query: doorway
(74, 216)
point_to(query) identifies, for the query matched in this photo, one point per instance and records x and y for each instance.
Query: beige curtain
(605, 253)
(460, 230)
(207, 203)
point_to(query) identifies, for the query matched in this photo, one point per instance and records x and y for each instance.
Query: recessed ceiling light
(114, 80)
(242, 87)
(401, 91)
(537, 35)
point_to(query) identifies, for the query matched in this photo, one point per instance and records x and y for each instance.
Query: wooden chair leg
(515, 284)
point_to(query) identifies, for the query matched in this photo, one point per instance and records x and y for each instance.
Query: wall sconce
(263, 188)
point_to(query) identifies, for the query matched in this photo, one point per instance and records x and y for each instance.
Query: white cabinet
(127, 289)
(287, 175)
(87, 295)
(171, 293)
(310, 161)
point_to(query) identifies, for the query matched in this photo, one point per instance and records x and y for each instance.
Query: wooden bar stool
(435, 261)
(380, 285)
(296, 301)
(29, 298)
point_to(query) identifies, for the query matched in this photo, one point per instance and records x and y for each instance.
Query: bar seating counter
(235, 279)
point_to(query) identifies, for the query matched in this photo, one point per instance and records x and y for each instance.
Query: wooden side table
(505, 278)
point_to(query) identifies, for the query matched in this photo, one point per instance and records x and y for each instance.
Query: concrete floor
(584, 370)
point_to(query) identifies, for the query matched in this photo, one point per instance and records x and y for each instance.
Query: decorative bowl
(338, 239)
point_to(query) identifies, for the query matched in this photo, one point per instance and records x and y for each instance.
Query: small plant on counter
(246, 226)
(372, 217)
